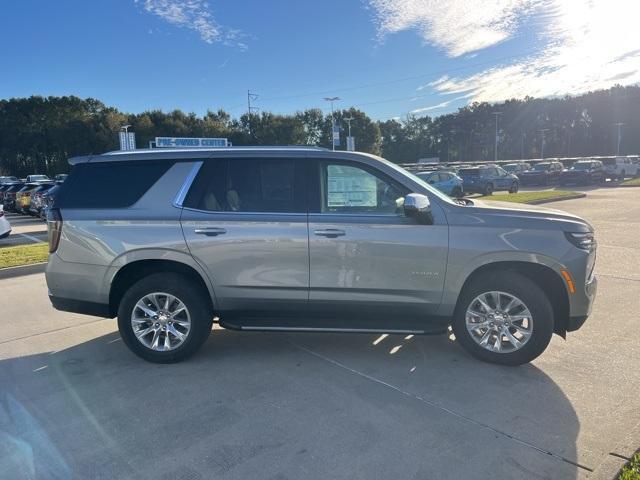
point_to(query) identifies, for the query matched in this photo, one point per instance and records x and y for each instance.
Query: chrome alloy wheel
(160, 321)
(499, 322)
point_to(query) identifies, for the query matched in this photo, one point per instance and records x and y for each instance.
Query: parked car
(544, 173)
(37, 201)
(9, 198)
(5, 227)
(3, 188)
(48, 200)
(583, 172)
(620, 167)
(446, 182)
(23, 196)
(275, 238)
(516, 168)
(37, 178)
(488, 179)
(7, 179)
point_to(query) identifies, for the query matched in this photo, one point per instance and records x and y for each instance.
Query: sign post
(351, 144)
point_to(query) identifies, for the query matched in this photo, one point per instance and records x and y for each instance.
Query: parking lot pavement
(24, 230)
(255, 405)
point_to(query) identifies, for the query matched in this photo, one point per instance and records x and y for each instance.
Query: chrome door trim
(178, 201)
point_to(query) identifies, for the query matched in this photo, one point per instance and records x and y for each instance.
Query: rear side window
(259, 185)
(109, 184)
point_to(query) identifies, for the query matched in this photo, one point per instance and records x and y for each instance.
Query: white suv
(620, 168)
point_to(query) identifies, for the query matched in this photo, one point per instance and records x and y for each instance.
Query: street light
(619, 124)
(125, 128)
(331, 100)
(495, 152)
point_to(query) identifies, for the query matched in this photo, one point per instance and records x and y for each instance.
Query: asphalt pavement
(24, 230)
(74, 403)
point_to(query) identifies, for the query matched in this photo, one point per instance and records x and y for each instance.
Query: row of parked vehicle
(486, 179)
(29, 196)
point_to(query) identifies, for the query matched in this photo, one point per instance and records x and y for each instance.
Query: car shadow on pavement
(258, 405)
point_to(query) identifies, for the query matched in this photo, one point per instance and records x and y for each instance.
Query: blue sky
(387, 57)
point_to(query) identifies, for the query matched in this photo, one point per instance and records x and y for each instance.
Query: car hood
(525, 210)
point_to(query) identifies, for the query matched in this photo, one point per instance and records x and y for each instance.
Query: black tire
(623, 175)
(488, 189)
(456, 192)
(514, 188)
(192, 296)
(527, 291)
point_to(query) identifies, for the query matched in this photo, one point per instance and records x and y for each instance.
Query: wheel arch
(542, 275)
(134, 271)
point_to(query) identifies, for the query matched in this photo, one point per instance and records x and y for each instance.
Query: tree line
(38, 134)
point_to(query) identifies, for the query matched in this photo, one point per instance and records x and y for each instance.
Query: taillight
(54, 228)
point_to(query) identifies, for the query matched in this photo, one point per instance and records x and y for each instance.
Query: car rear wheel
(488, 190)
(514, 188)
(165, 318)
(456, 192)
(503, 318)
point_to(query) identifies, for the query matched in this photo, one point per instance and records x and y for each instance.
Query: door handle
(330, 233)
(210, 231)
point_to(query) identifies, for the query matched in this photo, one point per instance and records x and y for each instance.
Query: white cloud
(195, 15)
(582, 45)
(432, 107)
(457, 26)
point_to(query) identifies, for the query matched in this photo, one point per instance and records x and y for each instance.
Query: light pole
(619, 124)
(495, 152)
(331, 100)
(125, 128)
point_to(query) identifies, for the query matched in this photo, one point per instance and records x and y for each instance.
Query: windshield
(581, 166)
(541, 167)
(417, 179)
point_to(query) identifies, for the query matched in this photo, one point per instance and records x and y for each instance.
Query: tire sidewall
(189, 293)
(527, 291)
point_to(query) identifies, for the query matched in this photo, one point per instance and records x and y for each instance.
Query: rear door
(371, 267)
(245, 221)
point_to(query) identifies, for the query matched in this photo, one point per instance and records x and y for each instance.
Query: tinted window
(110, 184)
(347, 188)
(250, 185)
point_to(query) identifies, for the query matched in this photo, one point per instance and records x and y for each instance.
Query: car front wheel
(503, 318)
(165, 318)
(514, 188)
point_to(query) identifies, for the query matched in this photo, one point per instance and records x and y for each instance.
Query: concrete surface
(24, 230)
(74, 403)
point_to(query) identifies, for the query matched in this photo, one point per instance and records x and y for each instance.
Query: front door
(370, 266)
(245, 221)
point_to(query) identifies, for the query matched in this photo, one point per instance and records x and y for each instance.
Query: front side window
(249, 185)
(346, 188)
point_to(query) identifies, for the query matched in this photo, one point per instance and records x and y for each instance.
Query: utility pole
(250, 97)
(495, 151)
(333, 124)
(522, 135)
(542, 147)
(619, 125)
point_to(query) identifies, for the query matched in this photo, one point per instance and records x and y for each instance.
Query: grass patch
(23, 255)
(632, 181)
(631, 471)
(526, 197)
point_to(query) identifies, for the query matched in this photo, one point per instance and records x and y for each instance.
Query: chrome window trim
(179, 200)
(296, 214)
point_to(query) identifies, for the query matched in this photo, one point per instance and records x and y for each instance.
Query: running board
(340, 330)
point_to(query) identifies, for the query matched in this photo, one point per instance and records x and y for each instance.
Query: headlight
(584, 241)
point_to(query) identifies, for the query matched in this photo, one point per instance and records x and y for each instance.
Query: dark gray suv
(306, 239)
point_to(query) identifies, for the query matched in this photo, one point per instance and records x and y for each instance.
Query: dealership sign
(173, 142)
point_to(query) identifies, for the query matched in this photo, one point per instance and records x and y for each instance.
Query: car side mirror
(418, 206)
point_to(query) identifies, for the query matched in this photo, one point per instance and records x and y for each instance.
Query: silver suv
(306, 239)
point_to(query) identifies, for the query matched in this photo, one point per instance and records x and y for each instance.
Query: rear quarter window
(109, 184)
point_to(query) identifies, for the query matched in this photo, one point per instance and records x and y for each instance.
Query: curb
(22, 270)
(557, 199)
